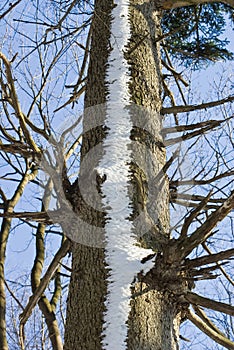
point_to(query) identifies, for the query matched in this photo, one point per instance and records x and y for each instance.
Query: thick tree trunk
(153, 321)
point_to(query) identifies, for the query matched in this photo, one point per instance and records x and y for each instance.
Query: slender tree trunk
(154, 318)
(4, 235)
(3, 241)
(87, 289)
(44, 304)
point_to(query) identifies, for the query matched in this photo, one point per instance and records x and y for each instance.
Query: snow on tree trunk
(109, 307)
(122, 255)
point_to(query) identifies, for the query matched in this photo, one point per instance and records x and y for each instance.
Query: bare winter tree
(127, 175)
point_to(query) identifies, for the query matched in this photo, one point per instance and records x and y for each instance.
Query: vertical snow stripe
(122, 255)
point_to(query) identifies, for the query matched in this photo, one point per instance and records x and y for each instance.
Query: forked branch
(33, 300)
(188, 221)
(204, 327)
(186, 245)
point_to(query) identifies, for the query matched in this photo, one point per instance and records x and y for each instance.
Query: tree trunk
(5, 228)
(126, 127)
(87, 290)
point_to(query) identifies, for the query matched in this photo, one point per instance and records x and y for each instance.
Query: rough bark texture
(145, 88)
(88, 282)
(153, 321)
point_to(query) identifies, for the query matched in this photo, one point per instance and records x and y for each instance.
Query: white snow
(122, 255)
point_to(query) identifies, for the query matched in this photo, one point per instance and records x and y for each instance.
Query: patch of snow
(123, 256)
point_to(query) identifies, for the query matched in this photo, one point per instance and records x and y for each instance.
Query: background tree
(36, 72)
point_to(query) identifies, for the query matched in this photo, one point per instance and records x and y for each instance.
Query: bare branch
(206, 319)
(209, 259)
(33, 300)
(205, 272)
(40, 217)
(19, 148)
(59, 24)
(73, 98)
(176, 75)
(13, 295)
(220, 267)
(186, 245)
(220, 339)
(201, 182)
(165, 168)
(11, 6)
(196, 299)
(180, 128)
(4, 234)
(16, 104)
(188, 136)
(190, 108)
(188, 221)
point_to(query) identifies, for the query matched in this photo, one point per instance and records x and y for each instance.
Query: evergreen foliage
(196, 32)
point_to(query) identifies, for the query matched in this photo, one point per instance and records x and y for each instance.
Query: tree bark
(44, 304)
(87, 290)
(4, 235)
(154, 317)
(3, 240)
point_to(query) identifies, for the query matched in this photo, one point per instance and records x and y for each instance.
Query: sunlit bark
(154, 319)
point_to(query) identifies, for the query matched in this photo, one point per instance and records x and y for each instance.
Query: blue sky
(21, 244)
